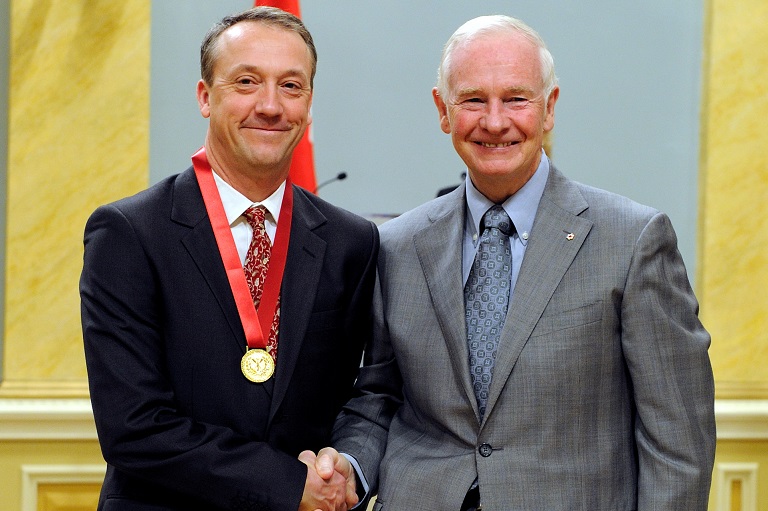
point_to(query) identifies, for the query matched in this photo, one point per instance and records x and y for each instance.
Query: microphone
(341, 176)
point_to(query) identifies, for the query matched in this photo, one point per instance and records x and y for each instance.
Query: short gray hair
(496, 24)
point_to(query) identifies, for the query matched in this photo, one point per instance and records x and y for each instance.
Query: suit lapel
(188, 209)
(439, 249)
(556, 237)
(302, 273)
(306, 252)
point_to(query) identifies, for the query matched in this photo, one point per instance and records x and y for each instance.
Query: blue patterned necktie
(486, 297)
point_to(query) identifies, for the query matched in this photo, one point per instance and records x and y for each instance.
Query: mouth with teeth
(494, 146)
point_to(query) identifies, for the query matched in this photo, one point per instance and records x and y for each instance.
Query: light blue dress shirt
(521, 208)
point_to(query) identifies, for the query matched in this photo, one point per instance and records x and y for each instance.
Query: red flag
(303, 163)
(291, 6)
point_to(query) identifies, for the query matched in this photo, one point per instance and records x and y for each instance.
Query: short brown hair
(269, 16)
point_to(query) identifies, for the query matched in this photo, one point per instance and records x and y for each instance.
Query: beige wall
(58, 474)
(739, 479)
(79, 137)
(733, 259)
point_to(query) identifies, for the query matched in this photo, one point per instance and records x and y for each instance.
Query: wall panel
(78, 137)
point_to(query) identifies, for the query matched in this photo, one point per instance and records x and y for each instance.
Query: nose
(495, 119)
(268, 102)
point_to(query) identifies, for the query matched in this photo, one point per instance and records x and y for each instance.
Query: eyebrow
(248, 68)
(471, 91)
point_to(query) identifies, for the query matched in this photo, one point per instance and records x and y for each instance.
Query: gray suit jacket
(602, 395)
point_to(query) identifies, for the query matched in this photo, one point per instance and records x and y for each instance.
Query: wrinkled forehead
(510, 50)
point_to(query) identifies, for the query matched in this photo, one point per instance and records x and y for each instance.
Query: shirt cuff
(362, 481)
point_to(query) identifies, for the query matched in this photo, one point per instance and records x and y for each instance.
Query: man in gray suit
(572, 375)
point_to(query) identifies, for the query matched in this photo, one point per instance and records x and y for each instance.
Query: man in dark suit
(536, 341)
(204, 400)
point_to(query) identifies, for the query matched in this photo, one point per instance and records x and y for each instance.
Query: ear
(203, 99)
(549, 115)
(442, 111)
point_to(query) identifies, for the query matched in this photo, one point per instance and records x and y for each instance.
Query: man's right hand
(330, 482)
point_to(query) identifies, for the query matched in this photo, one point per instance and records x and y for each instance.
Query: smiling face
(258, 102)
(496, 111)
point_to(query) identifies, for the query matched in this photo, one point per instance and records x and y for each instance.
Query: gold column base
(44, 389)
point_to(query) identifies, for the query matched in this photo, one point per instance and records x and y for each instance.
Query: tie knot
(255, 215)
(498, 218)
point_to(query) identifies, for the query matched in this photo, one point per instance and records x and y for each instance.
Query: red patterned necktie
(255, 267)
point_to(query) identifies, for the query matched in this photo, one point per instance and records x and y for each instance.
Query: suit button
(485, 450)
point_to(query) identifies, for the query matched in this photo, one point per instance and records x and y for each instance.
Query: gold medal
(257, 365)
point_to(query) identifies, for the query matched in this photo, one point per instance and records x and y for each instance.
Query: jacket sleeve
(362, 426)
(666, 352)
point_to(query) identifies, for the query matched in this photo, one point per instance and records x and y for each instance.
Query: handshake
(331, 483)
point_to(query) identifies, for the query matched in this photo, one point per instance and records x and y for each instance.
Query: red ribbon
(256, 324)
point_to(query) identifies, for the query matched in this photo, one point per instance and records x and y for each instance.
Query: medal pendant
(257, 365)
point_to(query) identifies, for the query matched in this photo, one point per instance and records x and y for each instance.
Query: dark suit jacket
(602, 396)
(179, 425)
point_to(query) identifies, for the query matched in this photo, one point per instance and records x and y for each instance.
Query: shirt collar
(235, 203)
(521, 207)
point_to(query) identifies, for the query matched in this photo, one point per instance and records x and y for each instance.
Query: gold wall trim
(736, 486)
(741, 390)
(44, 389)
(46, 419)
(34, 476)
(745, 419)
(72, 419)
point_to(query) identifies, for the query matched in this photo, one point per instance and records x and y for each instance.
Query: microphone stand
(341, 176)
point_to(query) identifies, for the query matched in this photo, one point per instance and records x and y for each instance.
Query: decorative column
(78, 136)
(733, 253)
(733, 248)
